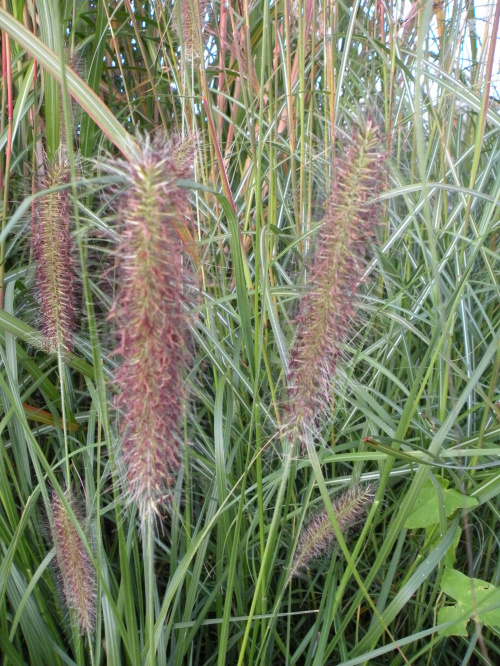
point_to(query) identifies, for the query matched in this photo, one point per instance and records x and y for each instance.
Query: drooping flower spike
(318, 536)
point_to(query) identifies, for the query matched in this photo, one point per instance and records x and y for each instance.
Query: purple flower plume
(51, 246)
(77, 573)
(326, 311)
(150, 317)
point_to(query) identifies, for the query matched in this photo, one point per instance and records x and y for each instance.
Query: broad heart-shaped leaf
(474, 597)
(426, 510)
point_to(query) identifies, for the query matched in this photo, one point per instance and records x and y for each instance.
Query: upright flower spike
(151, 321)
(318, 535)
(75, 565)
(192, 14)
(328, 308)
(51, 246)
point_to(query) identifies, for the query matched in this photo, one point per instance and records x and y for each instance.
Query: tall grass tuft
(75, 566)
(272, 96)
(151, 321)
(327, 311)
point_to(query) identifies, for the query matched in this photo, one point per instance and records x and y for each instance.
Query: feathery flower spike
(51, 245)
(318, 536)
(151, 321)
(75, 565)
(326, 311)
(192, 13)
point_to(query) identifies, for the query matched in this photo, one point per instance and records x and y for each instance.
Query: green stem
(65, 425)
(148, 550)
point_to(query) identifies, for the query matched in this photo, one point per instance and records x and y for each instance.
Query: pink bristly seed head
(327, 310)
(192, 15)
(150, 316)
(318, 536)
(77, 573)
(51, 245)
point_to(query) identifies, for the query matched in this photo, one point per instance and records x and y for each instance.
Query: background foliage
(273, 92)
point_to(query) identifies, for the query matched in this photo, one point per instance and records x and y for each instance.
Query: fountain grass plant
(276, 93)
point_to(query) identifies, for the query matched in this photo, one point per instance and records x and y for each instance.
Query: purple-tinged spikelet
(328, 308)
(192, 14)
(51, 246)
(318, 536)
(151, 321)
(77, 573)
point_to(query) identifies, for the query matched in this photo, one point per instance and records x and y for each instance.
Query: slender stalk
(149, 585)
(285, 470)
(7, 98)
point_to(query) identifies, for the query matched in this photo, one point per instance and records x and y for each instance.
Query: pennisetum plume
(77, 573)
(191, 14)
(326, 311)
(51, 246)
(318, 535)
(150, 316)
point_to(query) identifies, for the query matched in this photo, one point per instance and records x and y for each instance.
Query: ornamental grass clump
(318, 536)
(77, 574)
(327, 310)
(51, 247)
(151, 320)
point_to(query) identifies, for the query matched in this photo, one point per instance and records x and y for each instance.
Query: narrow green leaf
(78, 89)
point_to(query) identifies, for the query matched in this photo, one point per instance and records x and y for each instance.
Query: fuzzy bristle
(326, 311)
(75, 565)
(318, 536)
(51, 245)
(150, 315)
(192, 13)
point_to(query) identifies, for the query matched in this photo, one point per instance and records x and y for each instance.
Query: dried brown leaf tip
(51, 246)
(318, 536)
(150, 314)
(327, 310)
(77, 573)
